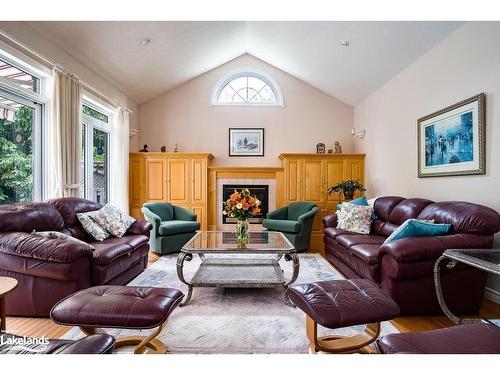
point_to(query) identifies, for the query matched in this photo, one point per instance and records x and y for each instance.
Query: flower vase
(241, 232)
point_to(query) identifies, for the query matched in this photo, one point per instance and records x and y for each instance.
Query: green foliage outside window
(95, 114)
(16, 164)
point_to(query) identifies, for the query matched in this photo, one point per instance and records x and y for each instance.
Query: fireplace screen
(260, 191)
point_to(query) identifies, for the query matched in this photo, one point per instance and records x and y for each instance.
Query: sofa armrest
(278, 214)
(308, 215)
(41, 248)
(330, 221)
(413, 249)
(153, 219)
(94, 344)
(140, 227)
(181, 213)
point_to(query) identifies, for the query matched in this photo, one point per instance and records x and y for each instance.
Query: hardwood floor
(37, 327)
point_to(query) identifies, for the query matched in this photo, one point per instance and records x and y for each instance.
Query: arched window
(247, 87)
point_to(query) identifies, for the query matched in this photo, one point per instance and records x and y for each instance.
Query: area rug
(221, 320)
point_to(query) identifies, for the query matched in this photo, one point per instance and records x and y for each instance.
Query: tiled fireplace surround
(242, 181)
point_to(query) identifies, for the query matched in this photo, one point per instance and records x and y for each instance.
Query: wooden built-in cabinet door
(178, 181)
(293, 181)
(201, 213)
(314, 182)
(136, 181)
(156, 190)
(317, 226)
(354, 169)
(198, 181)
(334, 173)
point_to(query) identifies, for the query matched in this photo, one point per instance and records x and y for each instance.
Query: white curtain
(65, 137)
(119, 160)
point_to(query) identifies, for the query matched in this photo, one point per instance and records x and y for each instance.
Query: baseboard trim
(492, 295)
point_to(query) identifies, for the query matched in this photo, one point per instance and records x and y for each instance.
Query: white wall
(464, 64)
(184, 115)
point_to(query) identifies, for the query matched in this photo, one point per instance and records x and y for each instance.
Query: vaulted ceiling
(310, 51)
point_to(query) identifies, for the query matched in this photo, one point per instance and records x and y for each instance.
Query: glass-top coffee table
(236, 266)
(484, 259)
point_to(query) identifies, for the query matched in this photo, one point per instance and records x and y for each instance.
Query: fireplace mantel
(233, 173)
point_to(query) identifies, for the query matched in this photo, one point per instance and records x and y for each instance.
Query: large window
(247, 87)
(20, 151)
(22, 114)
(94, 174)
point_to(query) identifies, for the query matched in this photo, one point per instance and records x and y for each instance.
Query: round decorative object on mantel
(320, 148)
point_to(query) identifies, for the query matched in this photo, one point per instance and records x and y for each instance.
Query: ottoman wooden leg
(337, 343)
(141, 343)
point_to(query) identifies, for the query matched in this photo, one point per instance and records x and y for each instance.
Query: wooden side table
(7, 285)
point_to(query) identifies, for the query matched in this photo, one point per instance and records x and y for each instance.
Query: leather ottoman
(125, 307)
(477, 338)
(342, 303)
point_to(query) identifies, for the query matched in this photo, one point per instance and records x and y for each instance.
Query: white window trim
(248, 73)
(93, 123)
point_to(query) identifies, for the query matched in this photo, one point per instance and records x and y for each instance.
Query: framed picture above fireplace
(246, 142)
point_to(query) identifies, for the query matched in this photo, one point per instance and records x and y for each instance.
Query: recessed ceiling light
(145, 41)
(344, 43)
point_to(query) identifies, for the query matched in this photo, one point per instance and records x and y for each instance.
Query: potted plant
(347, 188)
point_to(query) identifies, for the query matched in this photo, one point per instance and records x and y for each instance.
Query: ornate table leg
(439, 292)
(296, 266)
(180, 264)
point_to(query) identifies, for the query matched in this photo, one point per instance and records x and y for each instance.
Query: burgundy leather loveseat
(51, 269)
(404, 268)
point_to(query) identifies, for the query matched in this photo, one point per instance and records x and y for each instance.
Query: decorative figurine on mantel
(320, 148)
(163, 149)
(176, 149)
(338, 147)
(144, 149)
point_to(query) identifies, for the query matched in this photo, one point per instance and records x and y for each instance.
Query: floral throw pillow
(91, 227)
(58, 235)
(112, 220)
(355, 218)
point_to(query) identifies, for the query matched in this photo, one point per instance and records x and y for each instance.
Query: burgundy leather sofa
(51, 269)
(404, 268)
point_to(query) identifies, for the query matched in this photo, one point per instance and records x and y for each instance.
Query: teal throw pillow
(418, 228)
(361, 201)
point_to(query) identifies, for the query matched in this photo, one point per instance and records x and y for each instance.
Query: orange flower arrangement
(241, 205)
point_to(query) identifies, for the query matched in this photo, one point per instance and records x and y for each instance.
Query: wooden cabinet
(178, 186)
(156, 189)
(307, 177)
(198, 179)
(179, 178)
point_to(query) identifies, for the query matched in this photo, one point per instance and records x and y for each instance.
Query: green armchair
(173, 226)
(294, 221)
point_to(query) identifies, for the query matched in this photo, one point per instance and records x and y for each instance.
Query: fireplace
(260, 191)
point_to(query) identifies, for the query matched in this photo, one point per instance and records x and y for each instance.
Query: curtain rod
(12, 42)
